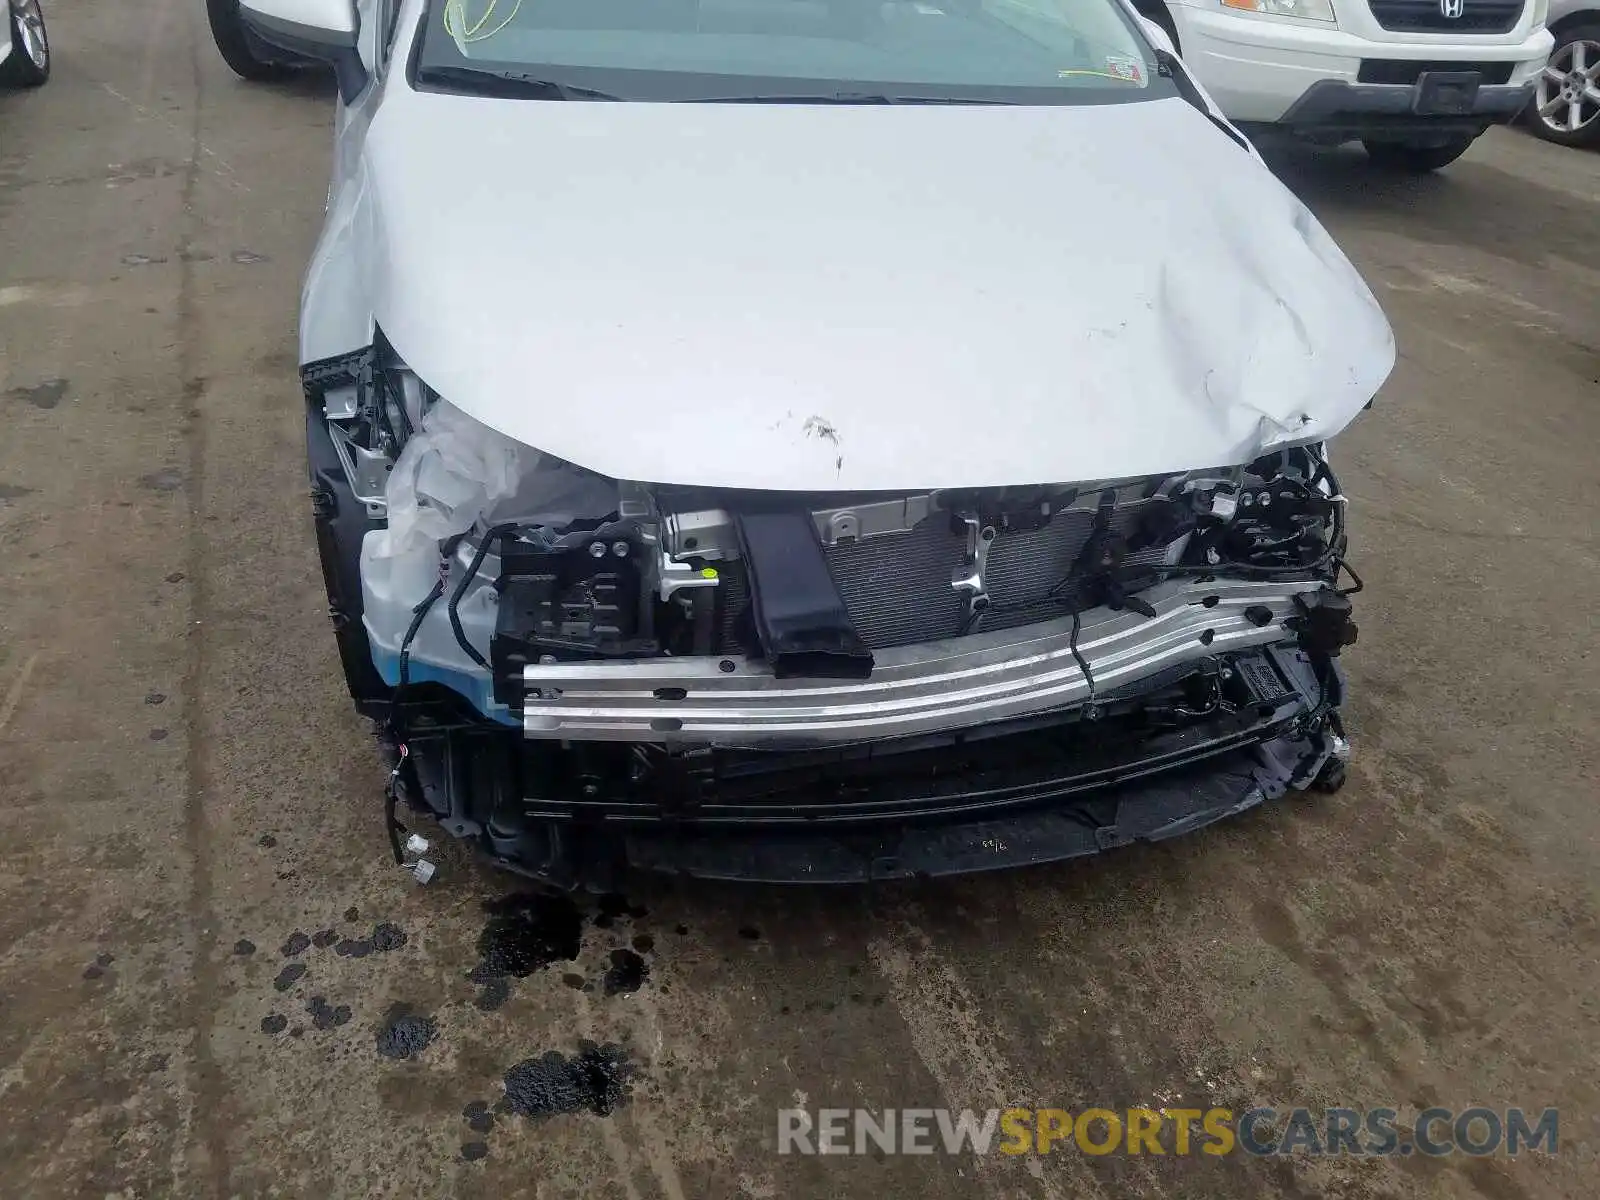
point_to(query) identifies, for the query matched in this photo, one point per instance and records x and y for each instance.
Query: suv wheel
(29, 63)
(239, 49)
(1418, 157)
(1566, 101)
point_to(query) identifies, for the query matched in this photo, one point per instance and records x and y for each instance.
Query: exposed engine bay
(581, 672)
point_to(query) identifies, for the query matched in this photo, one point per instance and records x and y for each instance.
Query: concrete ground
(180, 772)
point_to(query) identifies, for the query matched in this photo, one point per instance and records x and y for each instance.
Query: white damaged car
(820, 440)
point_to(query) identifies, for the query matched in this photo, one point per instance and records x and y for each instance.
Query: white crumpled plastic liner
(454, 474)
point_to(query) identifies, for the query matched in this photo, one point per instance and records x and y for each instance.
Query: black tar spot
(244, 946)
(155, 698)
(289, 976)
(352, 913)
(267, 840)
(383, 938)
(158, 735)
(593, 1080)
(473, 1151)
(175, 577)
(575, 982)
(325, 1017)
(274, 1024)
(405, 1034)
(627, 973)
(525, 933)
(296, 943)
(156, 1063)
(680, 930)
(478, 1117)
(750, 933)
(613, 906)
(644, 943)
(323, 938)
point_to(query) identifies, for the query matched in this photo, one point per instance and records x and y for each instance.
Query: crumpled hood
(861, 297)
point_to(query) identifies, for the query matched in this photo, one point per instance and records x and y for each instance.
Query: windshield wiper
(843, 98)
(507, 84)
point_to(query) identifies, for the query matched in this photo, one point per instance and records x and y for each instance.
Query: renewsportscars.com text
(1475, 1131)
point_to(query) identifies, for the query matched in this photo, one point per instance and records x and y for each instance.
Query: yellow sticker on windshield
(1120, 76)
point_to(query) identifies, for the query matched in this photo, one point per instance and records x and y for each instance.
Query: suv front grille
(1428, 16)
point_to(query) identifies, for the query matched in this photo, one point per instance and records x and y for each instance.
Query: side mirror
(1158, 36)
(323, 29)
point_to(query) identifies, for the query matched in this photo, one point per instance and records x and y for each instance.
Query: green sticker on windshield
(465, 29)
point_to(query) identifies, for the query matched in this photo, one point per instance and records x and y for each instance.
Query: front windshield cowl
(790, 51)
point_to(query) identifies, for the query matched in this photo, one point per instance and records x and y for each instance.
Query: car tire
(1560, 90)
(29, 62)
(1415, 158)
(238, 48)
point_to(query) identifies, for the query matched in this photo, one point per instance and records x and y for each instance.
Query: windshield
(840, 51)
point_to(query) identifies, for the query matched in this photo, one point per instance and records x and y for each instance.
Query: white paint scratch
(221, 168)
(14, 693)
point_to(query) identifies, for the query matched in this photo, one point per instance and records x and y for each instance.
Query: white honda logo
(1452, 9)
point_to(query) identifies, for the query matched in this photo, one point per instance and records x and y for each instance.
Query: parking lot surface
(214, 983)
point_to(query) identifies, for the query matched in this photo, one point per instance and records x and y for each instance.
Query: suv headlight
(1309, 10)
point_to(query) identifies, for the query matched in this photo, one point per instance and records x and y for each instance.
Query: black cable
(396, 720)
(1342, 565)
(491, 535)
(1072, 644)
(417, 616)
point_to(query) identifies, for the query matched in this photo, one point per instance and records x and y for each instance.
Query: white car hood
(860, 297)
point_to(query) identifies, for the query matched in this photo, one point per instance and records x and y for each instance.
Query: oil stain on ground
(614, 907)
(526, 932)
(404, 1033)
(325, 1015)
(478, 1117)
(627, 973)
(595, 1079)
(384, 938)
(47, 394)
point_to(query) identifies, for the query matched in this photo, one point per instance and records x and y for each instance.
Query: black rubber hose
(493, 534)
(418, 614)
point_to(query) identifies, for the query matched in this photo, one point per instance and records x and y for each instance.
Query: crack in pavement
(211, 1146)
